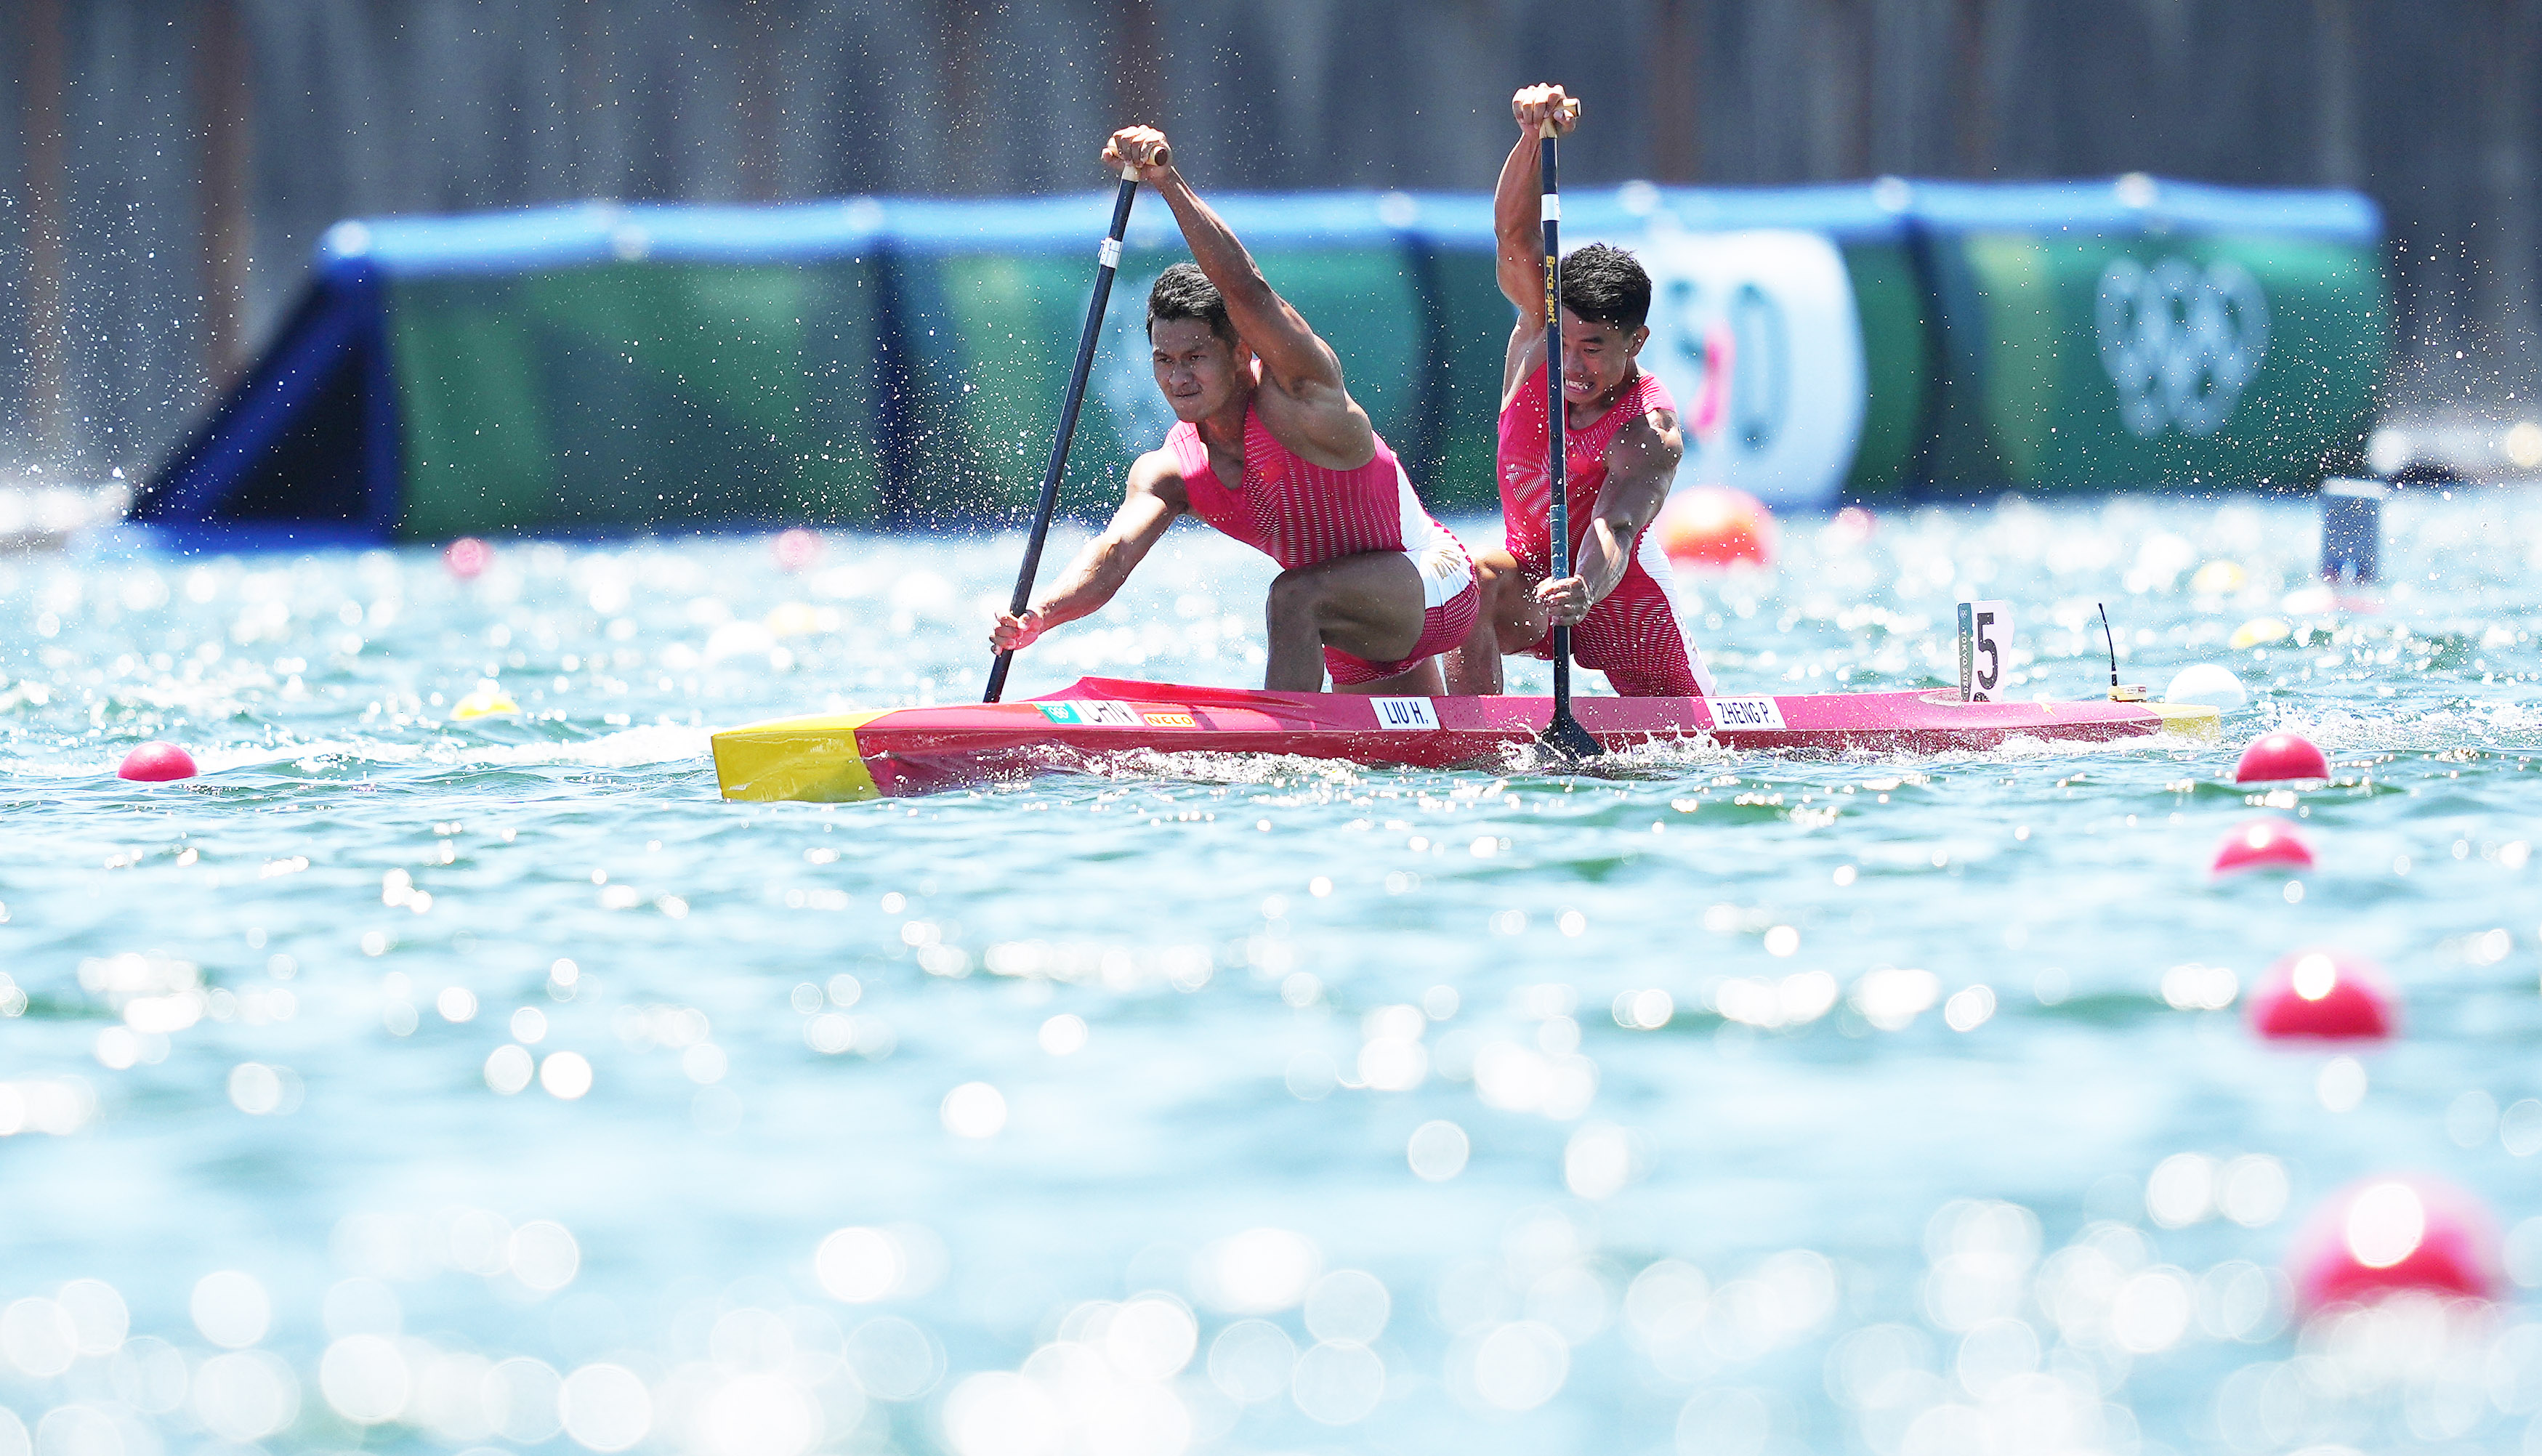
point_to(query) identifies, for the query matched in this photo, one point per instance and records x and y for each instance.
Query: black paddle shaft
(1085, 342)
(1563, 734)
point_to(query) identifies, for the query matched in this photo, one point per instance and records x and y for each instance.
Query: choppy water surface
(416, 1082)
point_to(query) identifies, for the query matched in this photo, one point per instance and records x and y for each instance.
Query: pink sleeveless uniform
(1633, 634)
(1300, 514)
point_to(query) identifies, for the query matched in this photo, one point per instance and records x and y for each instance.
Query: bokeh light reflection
(859, 1265)
(365, 1378)
(231, 1308)
(246, 1396)
(522, 1398)
(1437, 1150)
(1261, 1270)
(605, 1407)
(1338, 1383)
(1252, 1361)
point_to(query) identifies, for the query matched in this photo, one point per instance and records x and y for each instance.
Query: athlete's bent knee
(1296, 591)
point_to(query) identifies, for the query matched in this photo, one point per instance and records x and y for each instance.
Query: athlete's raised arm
(1296, 366)
(1517, 222)
(1153, 497)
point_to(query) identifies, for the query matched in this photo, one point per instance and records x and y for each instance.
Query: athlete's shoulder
(1159, 472)
(1524, 399)
(1653, 394)
(1331, 432)
(1654, 408)
(1651, 433)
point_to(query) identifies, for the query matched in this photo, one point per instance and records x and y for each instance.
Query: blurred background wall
(166, 165)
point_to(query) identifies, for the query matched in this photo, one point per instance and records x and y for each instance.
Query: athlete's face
(1597, 358)
(1200, 372)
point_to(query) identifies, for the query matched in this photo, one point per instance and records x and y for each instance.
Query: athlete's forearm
(1517, 222)
(1292, 357)
(1215, 247)
(1637, 483)
(1604, 553)
(1090, 581)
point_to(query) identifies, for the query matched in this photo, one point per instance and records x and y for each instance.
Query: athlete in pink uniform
(1620, 450)
(1272, 450)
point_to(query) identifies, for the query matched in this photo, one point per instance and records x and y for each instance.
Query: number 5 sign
(1986, 640)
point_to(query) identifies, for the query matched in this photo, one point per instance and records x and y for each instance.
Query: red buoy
(797, 549)
(2273, 758)
(1716, 525)
(2387, 1235)
(467, 557)
(156, 762)
(2323, 993)
(2263, 843)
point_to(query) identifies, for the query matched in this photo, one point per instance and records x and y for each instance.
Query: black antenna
(2112, 639)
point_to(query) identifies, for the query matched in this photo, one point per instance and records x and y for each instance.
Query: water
(412, 1082)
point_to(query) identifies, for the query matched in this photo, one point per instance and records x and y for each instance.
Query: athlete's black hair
(1183, 291)
(1606, 285)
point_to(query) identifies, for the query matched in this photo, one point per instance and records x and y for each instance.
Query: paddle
(1563, 736)
(1110, 260)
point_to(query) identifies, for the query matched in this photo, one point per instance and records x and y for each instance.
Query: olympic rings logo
(2179, 342)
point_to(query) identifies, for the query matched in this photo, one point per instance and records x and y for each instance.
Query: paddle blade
(1566, 739)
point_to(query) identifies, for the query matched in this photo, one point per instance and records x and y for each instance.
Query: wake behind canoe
(914, 751)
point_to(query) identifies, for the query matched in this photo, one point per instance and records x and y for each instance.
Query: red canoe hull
(916, 750)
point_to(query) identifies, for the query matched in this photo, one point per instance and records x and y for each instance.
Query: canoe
(902, 751)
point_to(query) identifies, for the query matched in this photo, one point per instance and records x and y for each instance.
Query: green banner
(662, 394)
(920, 379)
(2184, 361)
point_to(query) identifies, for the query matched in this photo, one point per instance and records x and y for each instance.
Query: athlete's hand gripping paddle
(1110, 260)
(1563, 736)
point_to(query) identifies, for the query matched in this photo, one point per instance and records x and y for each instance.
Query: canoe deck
(914, 751)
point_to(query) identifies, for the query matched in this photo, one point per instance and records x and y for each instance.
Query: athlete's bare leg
(1474, 668)
(1510, 619)
(1367, 605)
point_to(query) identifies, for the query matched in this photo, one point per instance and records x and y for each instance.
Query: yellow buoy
(489, 700)
(2220, 579)
(794, 619)
(2260, 631)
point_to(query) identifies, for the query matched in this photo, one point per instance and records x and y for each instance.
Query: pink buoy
(2263, 843)
(797, 549)
(2323, 994)
(2275, 758)
(156, 762)
(467, 557)
(2385, 1236)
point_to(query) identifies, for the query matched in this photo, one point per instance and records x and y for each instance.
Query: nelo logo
(2179, 341)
